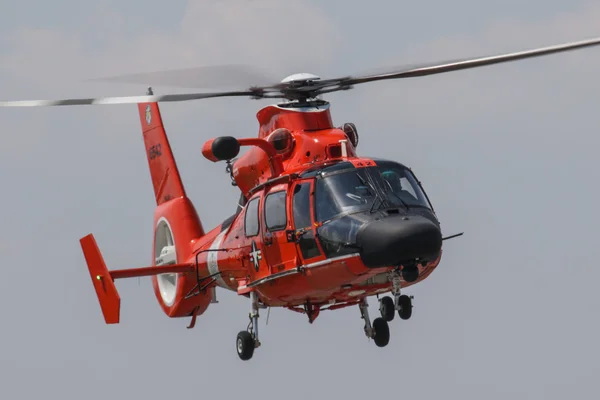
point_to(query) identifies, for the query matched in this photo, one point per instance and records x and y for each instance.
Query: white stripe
(212, 260)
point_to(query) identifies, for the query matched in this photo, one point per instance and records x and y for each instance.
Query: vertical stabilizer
(163, 169)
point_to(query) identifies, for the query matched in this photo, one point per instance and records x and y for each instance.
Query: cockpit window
(343, 193)
(401, 185)
(388, 185)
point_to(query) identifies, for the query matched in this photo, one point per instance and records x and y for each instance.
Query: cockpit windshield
(352, 190)
(401, 185)
(342, 193)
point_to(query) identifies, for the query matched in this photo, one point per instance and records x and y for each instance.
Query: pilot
(394, 183)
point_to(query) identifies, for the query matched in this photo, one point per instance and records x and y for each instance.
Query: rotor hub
(301, 77)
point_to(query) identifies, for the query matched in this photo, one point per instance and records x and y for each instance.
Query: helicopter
(317, 226)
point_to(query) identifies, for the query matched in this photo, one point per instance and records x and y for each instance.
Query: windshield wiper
(383, 198)
(399, 198)
(375, 202)
(375, 192)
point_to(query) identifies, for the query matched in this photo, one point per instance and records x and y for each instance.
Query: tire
(245, 345)
(382, 332)
(405, 303)
(386, 308)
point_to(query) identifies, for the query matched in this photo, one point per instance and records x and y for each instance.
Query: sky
(507, 154)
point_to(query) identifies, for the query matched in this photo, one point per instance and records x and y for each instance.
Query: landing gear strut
(379, 331)
(247, 340)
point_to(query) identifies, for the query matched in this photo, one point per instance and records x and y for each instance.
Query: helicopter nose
(395, 240)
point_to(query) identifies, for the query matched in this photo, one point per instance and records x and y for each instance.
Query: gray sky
(506, 153)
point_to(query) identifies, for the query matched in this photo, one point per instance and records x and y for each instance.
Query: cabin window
(275, 213)
(251, 218)
(302, 206)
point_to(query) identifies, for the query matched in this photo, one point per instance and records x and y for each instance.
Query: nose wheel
(404, 306)
(401, 302)
(387, 308)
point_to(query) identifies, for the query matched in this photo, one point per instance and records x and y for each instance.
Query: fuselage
(279, 244)
(328, 229)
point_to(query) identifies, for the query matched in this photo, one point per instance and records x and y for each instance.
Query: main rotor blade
(293, 90)
(208, 77)
(124, 99)
(438, 68)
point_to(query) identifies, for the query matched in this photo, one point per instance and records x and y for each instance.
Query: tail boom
(151, 271)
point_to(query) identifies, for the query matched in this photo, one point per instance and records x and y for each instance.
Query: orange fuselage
(282, 270)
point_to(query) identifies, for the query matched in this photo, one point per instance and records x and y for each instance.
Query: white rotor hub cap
(301, 77)
(165, 254)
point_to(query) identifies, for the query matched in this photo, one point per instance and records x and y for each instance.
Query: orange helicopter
(317, 226)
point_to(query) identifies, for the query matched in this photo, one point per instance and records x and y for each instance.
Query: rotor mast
(302, 110)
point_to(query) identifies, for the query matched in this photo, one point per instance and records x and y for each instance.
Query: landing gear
(405, 307)
(382, 332)
(387, 308)
(247, 340)
(379, 331)
(245, 345)
(401, 302)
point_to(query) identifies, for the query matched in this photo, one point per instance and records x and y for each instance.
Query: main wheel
(382, 332)
(245, 345)
(386, 307)
(405, 303)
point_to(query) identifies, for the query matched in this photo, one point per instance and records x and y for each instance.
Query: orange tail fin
(103, 279)
(109, 299)
(163, 169)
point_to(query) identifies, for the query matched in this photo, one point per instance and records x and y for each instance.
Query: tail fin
(103, 279)
(109, 299)
(163, 169)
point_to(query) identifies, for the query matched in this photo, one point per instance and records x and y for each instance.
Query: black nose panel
(394, 240)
